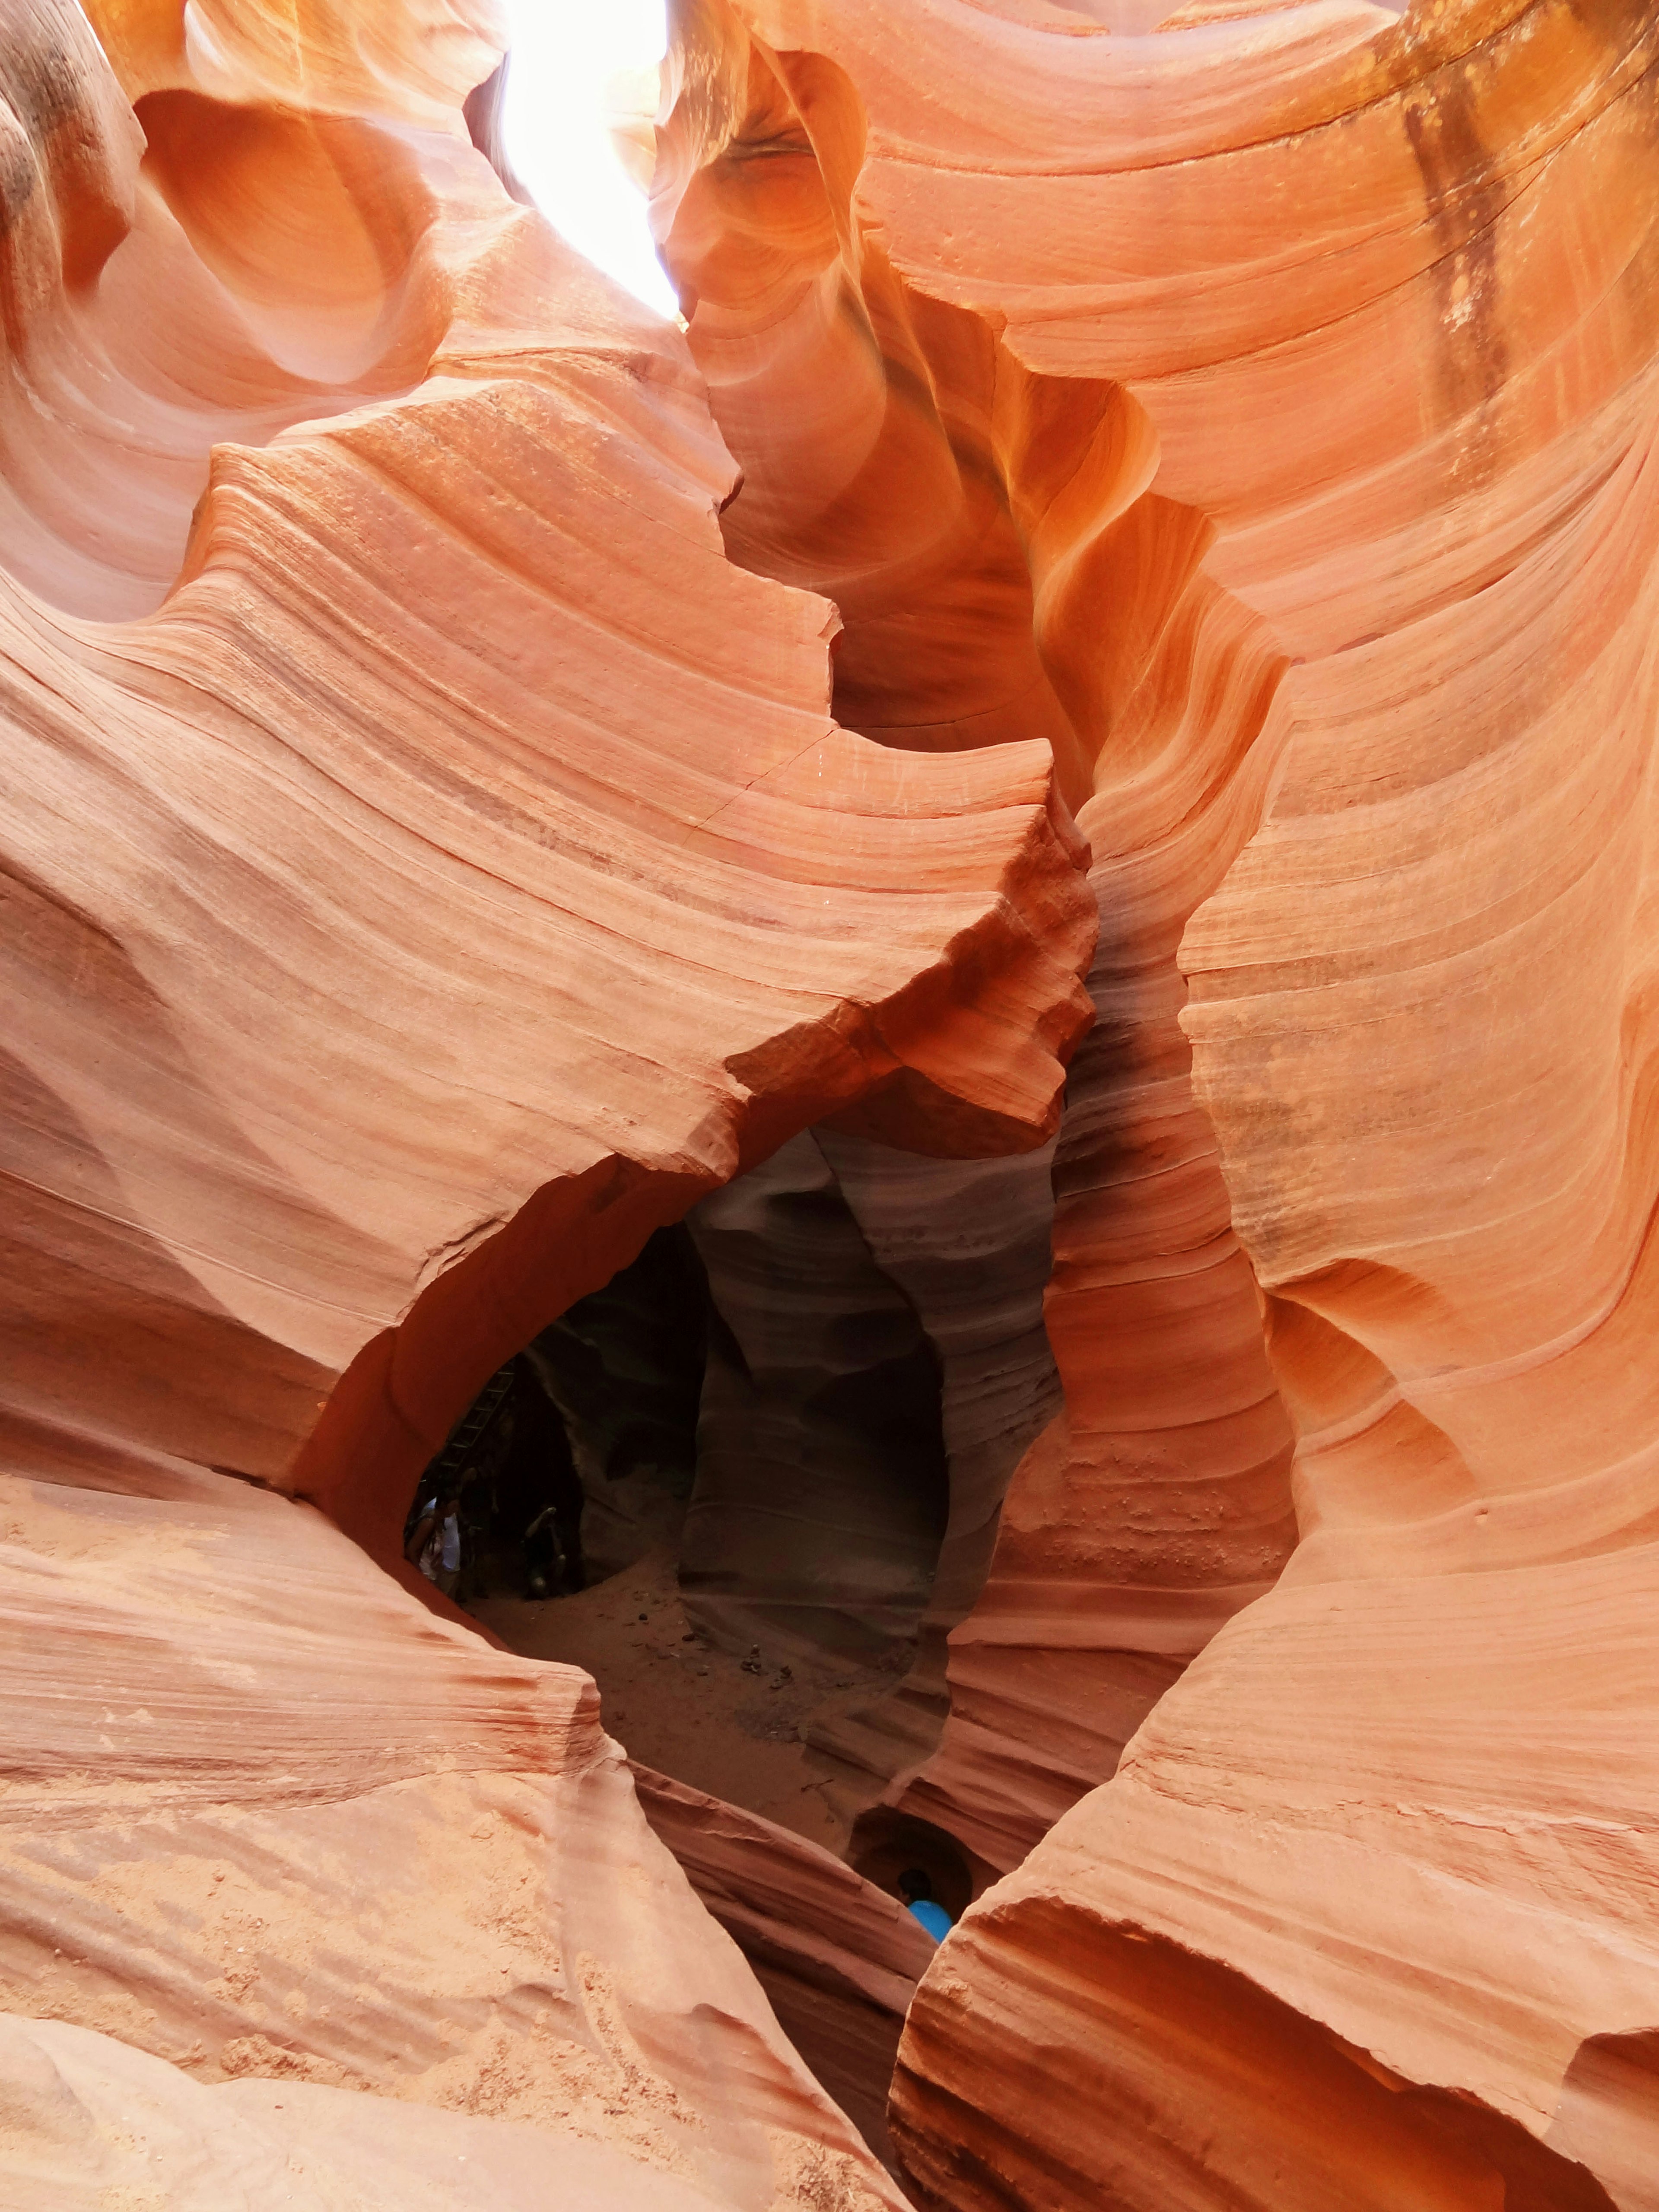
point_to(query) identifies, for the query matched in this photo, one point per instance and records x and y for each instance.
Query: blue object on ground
(933, 1918)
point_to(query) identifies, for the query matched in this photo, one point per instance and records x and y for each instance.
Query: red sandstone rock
(981, 517)
(265, 1818)
(1344, 605)
(822, 1485)
(91, 2122)
(435, 864)
(838, 1958)
(428, 863)
(397, 904)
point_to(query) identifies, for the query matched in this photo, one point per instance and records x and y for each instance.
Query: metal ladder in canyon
(463, 1438)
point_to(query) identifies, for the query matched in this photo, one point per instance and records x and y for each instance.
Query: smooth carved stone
(462, 869)
(428, 865)
(838, 1958)
(266, 1817)
(91, 2124)
(1314, 349)
(1160, 1504)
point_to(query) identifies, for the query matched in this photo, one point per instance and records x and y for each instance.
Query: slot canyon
(851, 1089)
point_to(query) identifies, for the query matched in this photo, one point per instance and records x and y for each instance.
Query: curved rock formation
(428, 863)
(91, 2122)
(451, 831)
(517, 796)
(1368, 1898)
(265, 1818)
(838, 1958)
(971, 517)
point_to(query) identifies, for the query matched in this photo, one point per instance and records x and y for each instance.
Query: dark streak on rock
(1465, 195)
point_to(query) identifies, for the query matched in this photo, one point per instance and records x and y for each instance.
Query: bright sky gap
(565, 55)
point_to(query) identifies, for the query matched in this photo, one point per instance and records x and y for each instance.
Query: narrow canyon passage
(431, 866)
(726, 1483)
(910, 1485)
(742, 1486)
(1003, 570)
(837, 1097)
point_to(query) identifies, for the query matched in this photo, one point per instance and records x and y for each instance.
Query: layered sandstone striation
(1355, 634)
(348, 886)
(489, 777)
(838, 1958)
(265, 1819)
(974, 513)
(428, 863)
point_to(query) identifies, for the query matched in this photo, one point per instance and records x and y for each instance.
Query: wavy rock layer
(91, 2124)
(266, 1817)
(436, 855)
(458, 750)
(1364, 1917)
(429, 864)
(838, 1958)
(972, 519)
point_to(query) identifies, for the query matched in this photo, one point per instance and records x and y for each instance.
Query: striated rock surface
(1285, 376)
(532, 768)
(838, 1958)
(442, 846)
(428, 863)
(91, 2122)
(971, 517)
(265, 1817)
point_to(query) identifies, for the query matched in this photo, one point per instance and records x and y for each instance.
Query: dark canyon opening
(723, 1483)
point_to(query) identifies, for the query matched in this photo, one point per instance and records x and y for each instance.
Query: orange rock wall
(441, 845)
(838, 1958)
(970, 519)
(362, 904)
(428, 863)
(1364, 1919)
(267, 1820)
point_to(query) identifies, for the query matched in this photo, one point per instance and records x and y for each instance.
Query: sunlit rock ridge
(1061, 769)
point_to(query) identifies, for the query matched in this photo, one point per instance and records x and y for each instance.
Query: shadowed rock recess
(962, 960)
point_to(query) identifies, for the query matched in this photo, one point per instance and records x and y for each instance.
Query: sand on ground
(678, 1704)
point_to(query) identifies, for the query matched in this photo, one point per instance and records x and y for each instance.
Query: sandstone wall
(428, 864)
(1312, 349)
(485, 771)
